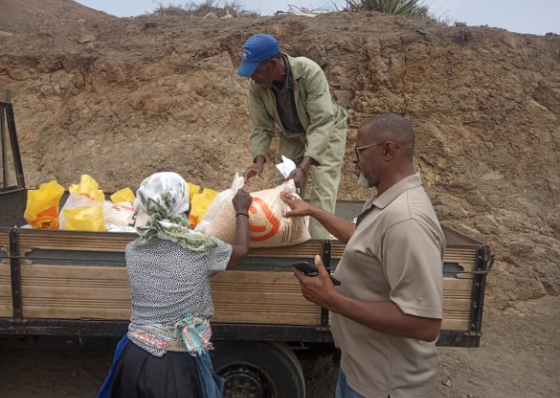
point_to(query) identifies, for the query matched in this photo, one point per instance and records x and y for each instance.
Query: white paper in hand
(286, 167)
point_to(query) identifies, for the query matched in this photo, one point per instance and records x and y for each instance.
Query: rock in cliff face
(122, 98)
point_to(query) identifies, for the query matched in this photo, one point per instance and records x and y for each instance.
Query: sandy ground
(516, 359)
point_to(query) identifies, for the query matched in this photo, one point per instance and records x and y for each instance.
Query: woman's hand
(242, 201)
(240, 246)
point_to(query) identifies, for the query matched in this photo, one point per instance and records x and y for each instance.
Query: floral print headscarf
(164, 197)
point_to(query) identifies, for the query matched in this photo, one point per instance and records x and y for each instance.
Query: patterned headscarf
(165, 199)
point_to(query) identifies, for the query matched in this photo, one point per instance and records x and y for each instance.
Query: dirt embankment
(121, 99)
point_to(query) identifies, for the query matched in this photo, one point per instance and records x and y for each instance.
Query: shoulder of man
(302, 65)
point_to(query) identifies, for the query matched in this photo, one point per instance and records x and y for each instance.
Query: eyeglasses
(359, 149)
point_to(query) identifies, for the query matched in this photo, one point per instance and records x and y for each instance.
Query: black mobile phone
(310, 270)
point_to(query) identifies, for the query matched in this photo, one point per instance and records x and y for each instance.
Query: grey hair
(391, 127)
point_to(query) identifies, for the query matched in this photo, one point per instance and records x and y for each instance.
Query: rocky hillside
(122, 98)
(22, 16)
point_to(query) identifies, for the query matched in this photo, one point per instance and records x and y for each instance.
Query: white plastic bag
(286, 167)
(118, 213)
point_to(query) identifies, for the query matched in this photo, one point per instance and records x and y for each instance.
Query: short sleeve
(413, 266)
(218, 258)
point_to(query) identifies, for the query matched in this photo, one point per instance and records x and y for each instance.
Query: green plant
(219, 8)
(402, 7)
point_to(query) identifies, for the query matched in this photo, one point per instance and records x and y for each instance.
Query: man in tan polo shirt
(387, 312)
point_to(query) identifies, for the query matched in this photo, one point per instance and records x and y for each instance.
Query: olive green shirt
(319, 115)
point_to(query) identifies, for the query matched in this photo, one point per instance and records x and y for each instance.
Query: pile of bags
(85, 209)
(212, 213)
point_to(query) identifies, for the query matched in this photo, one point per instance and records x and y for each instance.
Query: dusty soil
(122, 98)
(518, 358)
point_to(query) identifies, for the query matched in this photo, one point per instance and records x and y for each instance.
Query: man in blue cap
(294, 94)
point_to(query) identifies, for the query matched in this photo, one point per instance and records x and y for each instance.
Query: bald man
(387, 312)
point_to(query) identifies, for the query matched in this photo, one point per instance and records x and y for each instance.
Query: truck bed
(75, 283)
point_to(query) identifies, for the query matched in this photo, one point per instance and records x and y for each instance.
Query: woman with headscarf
(165, 352)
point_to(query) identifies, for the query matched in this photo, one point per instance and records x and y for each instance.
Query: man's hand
(254, 170)
(317, 289)
(298, 175)
(299, 207)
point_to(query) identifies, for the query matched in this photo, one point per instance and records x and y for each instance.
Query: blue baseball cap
(256, 49)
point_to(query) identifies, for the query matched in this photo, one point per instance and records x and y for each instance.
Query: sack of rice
(267, 225)
(216, 205)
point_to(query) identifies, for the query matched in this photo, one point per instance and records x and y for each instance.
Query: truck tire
(258, 370)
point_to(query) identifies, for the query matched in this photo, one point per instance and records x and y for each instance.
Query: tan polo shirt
(395, 254)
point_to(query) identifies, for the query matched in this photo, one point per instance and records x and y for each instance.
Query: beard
(363, 181)
(264, 84)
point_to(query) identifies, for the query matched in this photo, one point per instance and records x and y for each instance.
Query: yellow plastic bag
(193, 189)
(123, 195)
(85, 218)
(89, 187)
(41, 211)
(83, 210)
(199, 205)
